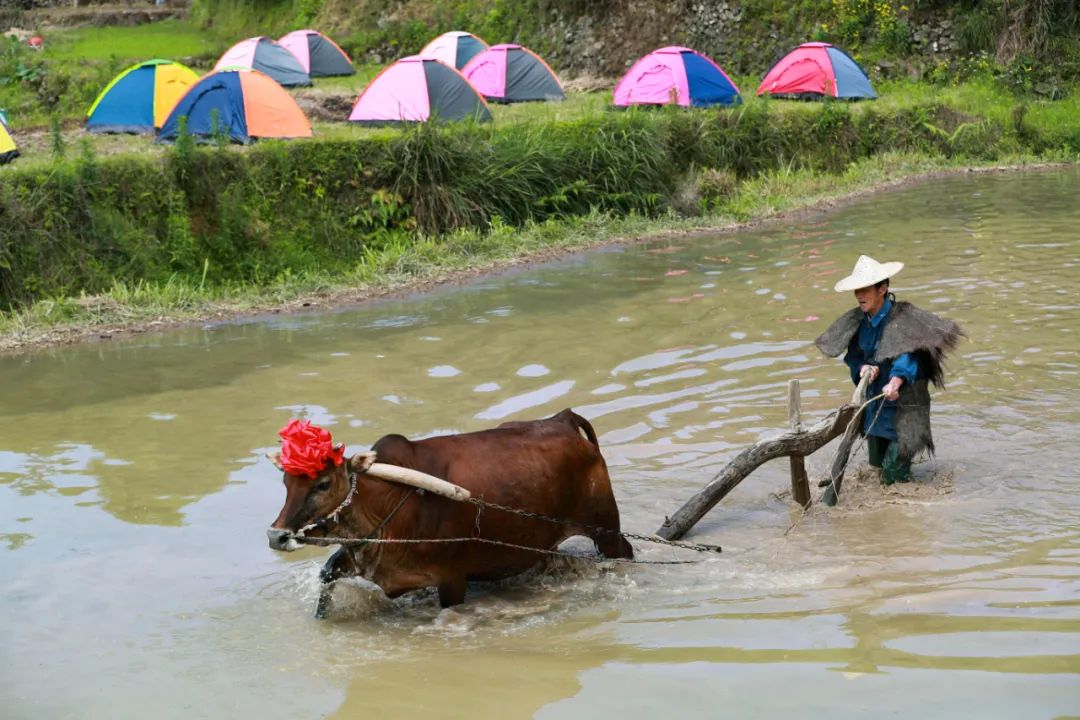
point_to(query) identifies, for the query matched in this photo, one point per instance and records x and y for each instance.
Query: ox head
(309, 500)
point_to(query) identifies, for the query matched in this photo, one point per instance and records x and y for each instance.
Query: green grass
(350, 84)
(77, 64)
(170, 39)
(81, 61)
(238, 19)
(981, 97)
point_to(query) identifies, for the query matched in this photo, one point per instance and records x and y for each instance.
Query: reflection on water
(134, 494)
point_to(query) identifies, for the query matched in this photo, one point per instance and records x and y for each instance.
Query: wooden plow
(796, 444)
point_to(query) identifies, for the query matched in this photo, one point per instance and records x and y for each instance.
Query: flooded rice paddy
(134, 493)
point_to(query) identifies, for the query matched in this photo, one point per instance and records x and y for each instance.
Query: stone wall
(70, 13)
(606, 43)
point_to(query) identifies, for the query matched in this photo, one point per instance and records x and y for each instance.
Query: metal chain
(480, 502)
(325, 541)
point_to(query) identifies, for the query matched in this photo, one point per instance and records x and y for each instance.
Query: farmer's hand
(892, 388)
(871, 369)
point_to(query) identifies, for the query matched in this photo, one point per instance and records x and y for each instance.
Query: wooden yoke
(415, 478)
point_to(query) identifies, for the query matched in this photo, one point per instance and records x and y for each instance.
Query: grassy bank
(128, 308)
(106, 229)
(425, 260)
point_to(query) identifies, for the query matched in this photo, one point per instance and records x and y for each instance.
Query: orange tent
(244, 104)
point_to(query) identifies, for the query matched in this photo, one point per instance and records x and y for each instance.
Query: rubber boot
(877, 448)
(895, 470)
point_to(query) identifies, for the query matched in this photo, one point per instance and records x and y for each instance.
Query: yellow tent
(8, 151)
(139, 99)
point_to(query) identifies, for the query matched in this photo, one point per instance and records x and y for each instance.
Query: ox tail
(581, 424)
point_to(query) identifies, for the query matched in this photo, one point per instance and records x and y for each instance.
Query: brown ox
(542, 466)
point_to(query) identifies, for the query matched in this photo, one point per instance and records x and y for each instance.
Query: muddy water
(134, 495)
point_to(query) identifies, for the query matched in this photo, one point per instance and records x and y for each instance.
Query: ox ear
(360, 462)
(275, 457)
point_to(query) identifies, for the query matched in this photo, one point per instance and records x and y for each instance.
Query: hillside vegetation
(1030, 41)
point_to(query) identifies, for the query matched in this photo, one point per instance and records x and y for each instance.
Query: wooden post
(800, 484)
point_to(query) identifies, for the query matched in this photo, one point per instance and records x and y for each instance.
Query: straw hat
(867, 272)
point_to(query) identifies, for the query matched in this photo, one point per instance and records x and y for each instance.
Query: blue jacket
(862, 347)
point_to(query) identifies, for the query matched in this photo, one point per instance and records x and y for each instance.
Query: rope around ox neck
(332, 517)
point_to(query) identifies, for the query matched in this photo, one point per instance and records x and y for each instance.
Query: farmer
(902, 348)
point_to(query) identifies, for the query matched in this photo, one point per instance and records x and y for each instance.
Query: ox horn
(415, 478)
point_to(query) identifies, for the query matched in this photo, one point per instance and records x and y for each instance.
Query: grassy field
(979, 97)
(167, 39)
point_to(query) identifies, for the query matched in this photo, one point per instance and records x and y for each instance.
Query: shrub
(221, 215)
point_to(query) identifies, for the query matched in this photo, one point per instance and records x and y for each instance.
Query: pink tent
(815, 70)
(318, 55)
(417, 89)
(676, 75)
(269, 58)
(455, 48)
(512, 73)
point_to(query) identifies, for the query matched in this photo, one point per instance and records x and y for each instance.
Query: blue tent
(140, 98)
(242, 104)
(676, 75)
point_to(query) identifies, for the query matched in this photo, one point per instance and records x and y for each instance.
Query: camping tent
(318, 55)
(8, 151)
(140, 98)
(512, 73)
(249, 105)
(266, 56)
(454, 48)
(815, 70)
(676, 75)
(417, 89)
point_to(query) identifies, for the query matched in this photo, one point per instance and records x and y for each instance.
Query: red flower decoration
(305, 448)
